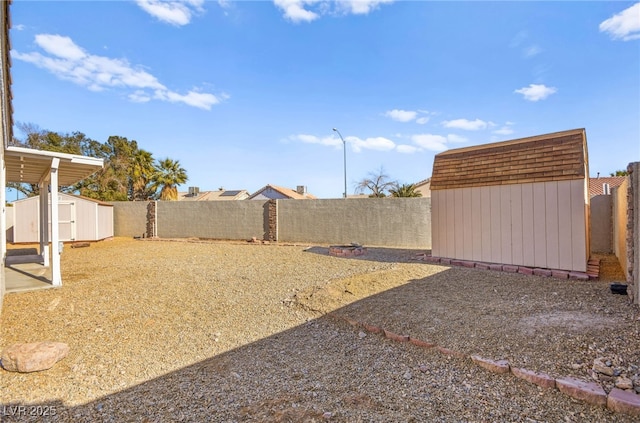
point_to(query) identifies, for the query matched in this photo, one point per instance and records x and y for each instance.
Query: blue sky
(246, 93)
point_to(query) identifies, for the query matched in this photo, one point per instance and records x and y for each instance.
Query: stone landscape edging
(591, 273)
(617, 400)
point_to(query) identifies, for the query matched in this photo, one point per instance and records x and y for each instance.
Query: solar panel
(229, 193)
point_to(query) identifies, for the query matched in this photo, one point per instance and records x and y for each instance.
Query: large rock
(33, 357)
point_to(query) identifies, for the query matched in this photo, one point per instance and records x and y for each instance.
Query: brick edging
(589, 392)
(592, 272)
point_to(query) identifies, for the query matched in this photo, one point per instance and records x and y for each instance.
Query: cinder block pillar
(152, 224)
(272, 234)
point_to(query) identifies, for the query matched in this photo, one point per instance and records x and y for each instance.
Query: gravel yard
(220, 331)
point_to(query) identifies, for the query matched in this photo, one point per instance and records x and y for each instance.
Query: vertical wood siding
(535, 224)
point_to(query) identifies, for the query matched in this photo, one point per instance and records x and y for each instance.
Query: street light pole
(344, 143)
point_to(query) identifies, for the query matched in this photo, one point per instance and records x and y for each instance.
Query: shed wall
(104, 222)
(86, 225)
(25, 221)
(534, 224)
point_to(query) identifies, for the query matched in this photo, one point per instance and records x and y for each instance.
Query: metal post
(344, 144)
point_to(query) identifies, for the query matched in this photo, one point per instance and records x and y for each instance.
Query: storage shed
(522, 202)
(81, 219)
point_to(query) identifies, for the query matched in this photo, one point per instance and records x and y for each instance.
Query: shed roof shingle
(551, 157)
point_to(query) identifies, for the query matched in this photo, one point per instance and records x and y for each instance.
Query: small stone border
(617, 400)
(347, 250)
(593, 268)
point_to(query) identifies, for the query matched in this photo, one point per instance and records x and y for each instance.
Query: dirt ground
(165, 330)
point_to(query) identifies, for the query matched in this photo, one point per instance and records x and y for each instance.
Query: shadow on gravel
(328, 370)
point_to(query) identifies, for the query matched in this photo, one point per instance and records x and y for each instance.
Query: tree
(378, 183)
(405, 190)
(168, 176)
(129, 172)
(142, 171)
(619, 173)
(113, 182)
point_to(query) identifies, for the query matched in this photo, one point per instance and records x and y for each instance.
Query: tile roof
(224, 195)
(287, 192)
(596, 184)
(550, 157)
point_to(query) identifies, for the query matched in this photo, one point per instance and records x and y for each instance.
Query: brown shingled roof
(551, 157)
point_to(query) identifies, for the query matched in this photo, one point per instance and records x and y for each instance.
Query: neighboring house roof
(285, 192)
(596, 184)
(220, 195)
(423, 187)
(550, 157)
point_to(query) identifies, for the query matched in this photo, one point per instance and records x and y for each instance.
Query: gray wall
(391, 222)
(601, 218)
(211, 219)
(130, 218)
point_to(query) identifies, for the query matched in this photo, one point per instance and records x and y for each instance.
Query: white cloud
(401, 115)
(295, 11)
(518, 39)
(312, 139)
(376, 143)
(536, 92)
(505, 129)
(357, 144)
(360, 7)
(60, 46)
(18, 27)
(309, 10)
(139, 96)
(531, 51)
(456, 138)
(68, 61)
(430, 141)
(174, 12)
(407, 149)
(625, 25)
(468, 125)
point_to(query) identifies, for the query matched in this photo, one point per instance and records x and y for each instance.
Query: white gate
(66, 221)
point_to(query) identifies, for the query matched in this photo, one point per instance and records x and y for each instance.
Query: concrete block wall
(211, 219)
(390, 222)
(130, 218)
(600, 223)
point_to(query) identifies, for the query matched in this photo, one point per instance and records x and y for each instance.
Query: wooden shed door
(67, 221)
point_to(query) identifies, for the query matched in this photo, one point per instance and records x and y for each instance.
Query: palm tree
(168, 176)
(405, 190)
(142, 173)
